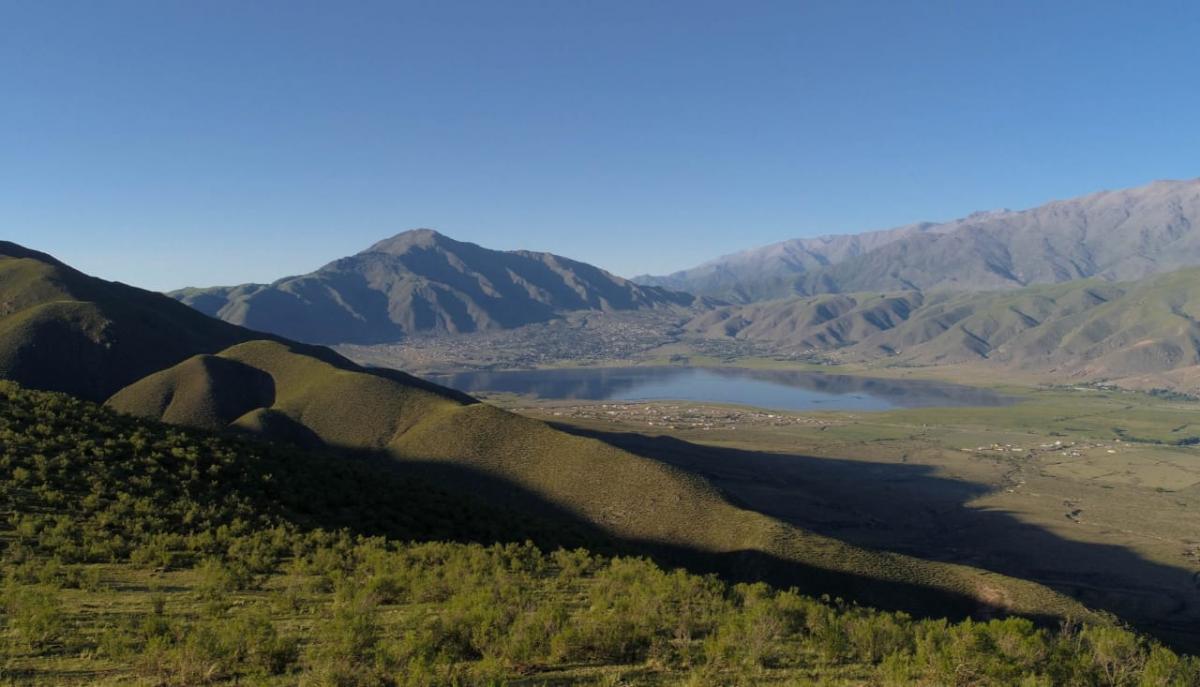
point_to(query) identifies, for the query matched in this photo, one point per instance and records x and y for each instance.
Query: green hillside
(65, 331)
(216, 518)
(524, 463)
(1087, 329)
(309, 396)
(141, 553)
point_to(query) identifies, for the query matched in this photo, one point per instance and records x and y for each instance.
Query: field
(1094, 492)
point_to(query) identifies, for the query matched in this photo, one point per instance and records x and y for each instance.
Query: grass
(1109, 514)
(140, 553)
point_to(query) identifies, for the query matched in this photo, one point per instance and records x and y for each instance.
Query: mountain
(423, 281)
(62, 330)
(770, 271)
(1146, 332)
(1112, 235)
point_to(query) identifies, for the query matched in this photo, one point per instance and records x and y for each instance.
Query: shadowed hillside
(423, 281)
(498, 455)
(62, 330)
(912, 509)
(310, 396)
(141, 553)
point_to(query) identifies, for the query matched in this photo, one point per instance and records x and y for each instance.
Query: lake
(778, 389)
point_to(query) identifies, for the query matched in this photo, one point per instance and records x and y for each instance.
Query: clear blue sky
(173, 143)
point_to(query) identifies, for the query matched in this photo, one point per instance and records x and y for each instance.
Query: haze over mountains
(420, 281)
(1113, 235)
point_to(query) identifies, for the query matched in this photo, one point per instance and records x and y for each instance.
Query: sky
(170, 143)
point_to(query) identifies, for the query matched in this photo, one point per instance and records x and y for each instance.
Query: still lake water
(778, 389)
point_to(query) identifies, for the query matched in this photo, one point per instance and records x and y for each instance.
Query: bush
(217, 579)
(874, 637)
(346, 649)
(34, 616)
(327, 544)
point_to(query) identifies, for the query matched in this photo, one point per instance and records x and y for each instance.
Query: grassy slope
(636, 499)
(65, 331)
(1084, 329)
(140, 553)
(116, 333)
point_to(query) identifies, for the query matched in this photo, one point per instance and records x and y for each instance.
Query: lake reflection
(781, 389)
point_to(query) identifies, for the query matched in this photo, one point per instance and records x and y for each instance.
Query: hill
(63, 330)
(136, 552)
(310, 396)
(525, 464)
(1088, 329)
(1112, 235)
(423, 281)
(307, 396)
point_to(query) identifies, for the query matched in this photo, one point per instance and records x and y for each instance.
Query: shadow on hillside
(907, 509)
(564, 528)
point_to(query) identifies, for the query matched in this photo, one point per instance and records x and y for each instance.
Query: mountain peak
(407, 240)
(418, 281)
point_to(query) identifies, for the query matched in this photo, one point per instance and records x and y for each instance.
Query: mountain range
(1119, 235)
(66, 331)
(422, 281)
(1144, 333)
(1101, 287)
(1129, 317)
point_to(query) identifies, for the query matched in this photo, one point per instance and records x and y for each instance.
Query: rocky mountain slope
(1112, 235)
(1089, 329)
(770, 271)
(423, 281)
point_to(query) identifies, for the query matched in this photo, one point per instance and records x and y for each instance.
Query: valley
(567, 344)
(967, 492)
(966, 512)
(1090, 488)
(1095, 493)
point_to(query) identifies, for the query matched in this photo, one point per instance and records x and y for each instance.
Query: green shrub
(1118, 656)
(346, 650)
(34, 616)
(276, 546)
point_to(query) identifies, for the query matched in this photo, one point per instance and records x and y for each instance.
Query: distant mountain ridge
(1119, 235)
(1144, 333)
(421, 281)
(769, 272)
